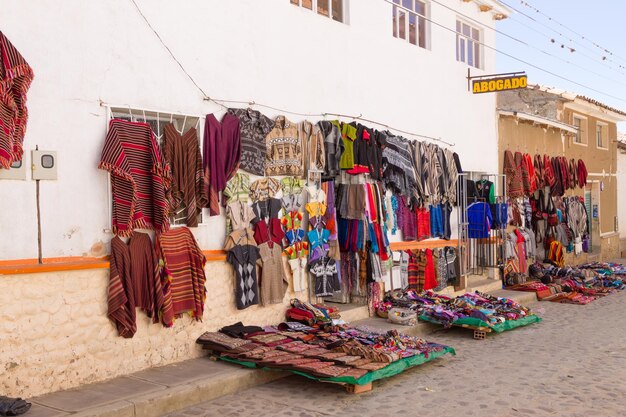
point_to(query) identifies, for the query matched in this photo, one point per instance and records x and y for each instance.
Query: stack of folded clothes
(326, 351)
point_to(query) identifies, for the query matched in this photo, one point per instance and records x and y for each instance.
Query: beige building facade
(538, 120)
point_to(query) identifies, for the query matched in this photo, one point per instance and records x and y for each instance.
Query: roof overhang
(587, 107)
(498, 10)
(542, 121)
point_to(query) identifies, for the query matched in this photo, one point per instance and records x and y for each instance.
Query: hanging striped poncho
(139, 178)
(181, 267)
(15, 78)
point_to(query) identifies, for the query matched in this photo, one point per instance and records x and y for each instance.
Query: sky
(600, 22)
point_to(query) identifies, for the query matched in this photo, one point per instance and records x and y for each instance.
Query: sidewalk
(158, 391)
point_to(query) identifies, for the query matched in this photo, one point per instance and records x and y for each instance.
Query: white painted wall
(268, 51)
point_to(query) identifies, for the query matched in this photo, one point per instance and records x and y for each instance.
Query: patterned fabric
(430, 281)
(238, 188)
(333, 147)
(284, 149)
(326, 276)
(254, 127)
(15, 79)
(413, 274)
(582, 174)
(182, 153)
(139, 178)
(264, 188)
(312, 140)
(513, 172)
(452, 176)
(239, 215)
(243, 258)
(133, 282)
(222, 152)
(398, 168)
(181, 267)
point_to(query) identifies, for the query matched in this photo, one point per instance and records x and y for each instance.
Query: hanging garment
(188, 192)
(243, 258)
(326, 276)
(398, 168)
(431, 172)
(15, 79)
(513, 173)
(446, 210)
(532, 177)
(526, 179)
(375, 148)
(133, 282)
(254, 127)
(237, 188)
(582, 174)
(539, 172)
(430, 281)
(333, 147)
(139, 178)
(452, 176)
(436, 221)
(273, 279)
(360, 146)
(449, 254)
(479, 220)
(264, 188)
(348, 136)
(313, 147)
(284, 149)
(222, 154)
(407, 220)
(423, 224)
(485, 190)
(298, 273)
(181, 267)
(239, 215)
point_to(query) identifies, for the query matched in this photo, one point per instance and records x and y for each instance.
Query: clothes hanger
(131, 113)
(182, 129)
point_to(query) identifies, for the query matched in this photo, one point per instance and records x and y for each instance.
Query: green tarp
(392, 369)
(499, 328)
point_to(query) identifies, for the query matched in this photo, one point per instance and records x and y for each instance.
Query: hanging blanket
(15, 78)
(139, 178)
(181, 267)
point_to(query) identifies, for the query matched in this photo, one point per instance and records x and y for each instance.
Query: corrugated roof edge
(572, 96)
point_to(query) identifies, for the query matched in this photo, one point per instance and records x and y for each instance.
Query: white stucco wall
(268, 51)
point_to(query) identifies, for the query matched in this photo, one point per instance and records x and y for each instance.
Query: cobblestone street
(571, 364)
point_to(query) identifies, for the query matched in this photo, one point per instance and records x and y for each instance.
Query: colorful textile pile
(355, 355)
(477, 309)
(575, 285)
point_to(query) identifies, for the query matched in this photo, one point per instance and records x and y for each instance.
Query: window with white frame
(410, 24)
(334, 9)
(601, 135)
(157, 121)
(581, 130)
(468, 44)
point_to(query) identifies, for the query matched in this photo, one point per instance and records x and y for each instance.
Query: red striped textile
(15, 79)
(133, 282)
(182, 153)
(139, 178)
(182, 272)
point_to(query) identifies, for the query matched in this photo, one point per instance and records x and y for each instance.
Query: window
(601, 135)
(330, 8)
(581, 126)
(410, 25)
(468, 47)
(157, 122)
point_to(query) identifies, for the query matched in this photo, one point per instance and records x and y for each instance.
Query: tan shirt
(284, 149)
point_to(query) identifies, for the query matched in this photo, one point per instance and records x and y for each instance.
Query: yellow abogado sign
(490, 85)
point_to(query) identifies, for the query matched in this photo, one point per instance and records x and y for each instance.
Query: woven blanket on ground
(139, 178)
(15, 79)
(181, 267)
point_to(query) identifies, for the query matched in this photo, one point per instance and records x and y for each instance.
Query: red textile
(15, 79)
(430, 280)
(549, 178)
(582, 174)
(423, 223)
(222, 152)
(139, 178)
(181, 268)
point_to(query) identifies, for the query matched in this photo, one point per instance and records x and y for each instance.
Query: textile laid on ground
(15, 79)
(354, 355)
(222, 152)
(13, 406)
(181, 267)
(133, 282)
(478, 309)
(188, 192)
(574, 285)
(139, 178)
